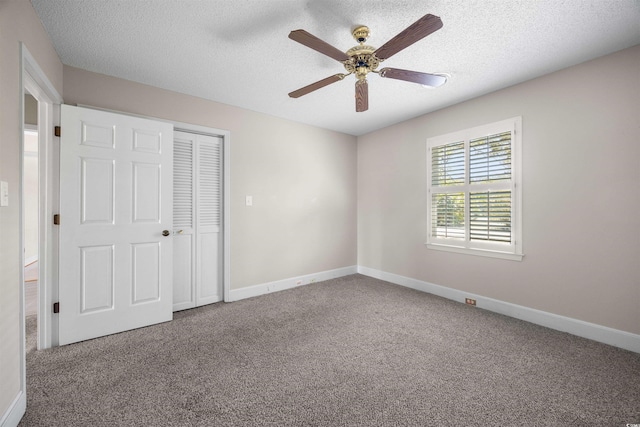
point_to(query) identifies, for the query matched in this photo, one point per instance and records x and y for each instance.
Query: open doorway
(40, 112)
(30, 219)
(35, 83)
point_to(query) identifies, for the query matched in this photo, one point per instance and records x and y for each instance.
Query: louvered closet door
(197, 220)
(208, 219)
(184, 241)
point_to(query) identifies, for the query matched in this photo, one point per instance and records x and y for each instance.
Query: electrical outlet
(470, 301)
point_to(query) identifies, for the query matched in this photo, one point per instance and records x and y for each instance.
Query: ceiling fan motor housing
(362, 60)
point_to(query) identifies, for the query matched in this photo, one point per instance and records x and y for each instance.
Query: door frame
(35, 81)
(226, 185)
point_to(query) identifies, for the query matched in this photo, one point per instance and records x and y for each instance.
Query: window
(474, 191)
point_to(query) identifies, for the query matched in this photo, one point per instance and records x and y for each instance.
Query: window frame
(510, 251)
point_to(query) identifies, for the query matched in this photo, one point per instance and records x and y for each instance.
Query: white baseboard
(15, 412)
(293, 282)
(592, 331)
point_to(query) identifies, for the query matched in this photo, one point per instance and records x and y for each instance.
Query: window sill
(477, 252)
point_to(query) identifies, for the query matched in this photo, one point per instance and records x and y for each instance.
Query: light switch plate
(4, 193)
(249, 201)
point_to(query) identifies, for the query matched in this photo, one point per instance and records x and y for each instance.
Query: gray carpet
(353, 351)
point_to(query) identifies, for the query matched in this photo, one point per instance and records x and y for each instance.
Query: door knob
(165, 232)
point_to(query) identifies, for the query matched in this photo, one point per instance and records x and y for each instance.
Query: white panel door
(116, 200)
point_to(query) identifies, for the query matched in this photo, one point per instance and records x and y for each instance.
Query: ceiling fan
(362, 59)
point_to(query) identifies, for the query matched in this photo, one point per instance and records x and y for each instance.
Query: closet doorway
(198, 230)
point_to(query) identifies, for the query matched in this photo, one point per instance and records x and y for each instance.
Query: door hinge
(56, 131)
(56, 219)
(56, 307)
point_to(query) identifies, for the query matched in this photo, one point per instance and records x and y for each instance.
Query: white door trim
(226, 190)
(35, 81)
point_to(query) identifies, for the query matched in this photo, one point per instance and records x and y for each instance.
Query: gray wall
(581, 197)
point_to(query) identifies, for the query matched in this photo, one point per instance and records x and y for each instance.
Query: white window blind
(490, 158)
(474, 193)
(490, 216)
(447, 215)
(447, 163)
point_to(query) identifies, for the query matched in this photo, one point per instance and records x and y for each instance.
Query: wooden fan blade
(414, 32)
(309, 40)
(317, 85)
(362, 96)
(434, 80)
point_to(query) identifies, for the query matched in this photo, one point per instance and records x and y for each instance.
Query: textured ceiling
(237, 51)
